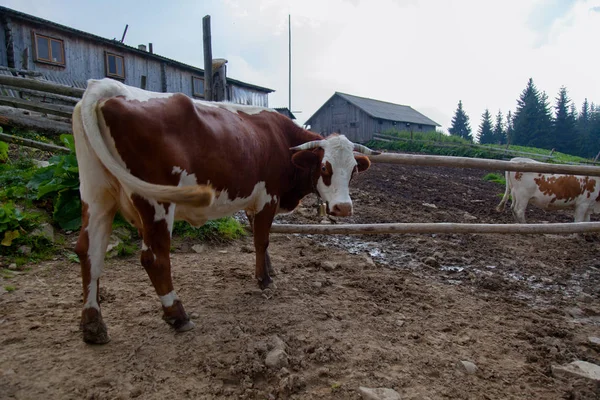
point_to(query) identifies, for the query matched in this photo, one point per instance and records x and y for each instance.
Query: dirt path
(512, 305)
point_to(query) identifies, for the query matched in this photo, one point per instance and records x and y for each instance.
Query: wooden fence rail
(443, 227)
(480, 163)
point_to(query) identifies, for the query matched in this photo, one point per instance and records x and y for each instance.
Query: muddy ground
(376, 311)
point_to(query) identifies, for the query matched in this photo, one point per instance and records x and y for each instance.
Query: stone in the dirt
(45, 230)
(317, 284)
(468, 367)
(432, 262)
(594, 340)
(438, 256)
(247, 249)
(329, 265)
(198, 248)
(25, 250)
(429, 205)
(277, 343)
(378, 393)
(223, 252)
(12, 266)
(578, 369)
(276, 359)
(369, 261)
(469, 217)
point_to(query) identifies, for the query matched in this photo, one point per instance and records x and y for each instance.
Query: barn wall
(338, 115)
(85, 59)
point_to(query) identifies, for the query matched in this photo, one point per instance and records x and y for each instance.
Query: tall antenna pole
(290, 63)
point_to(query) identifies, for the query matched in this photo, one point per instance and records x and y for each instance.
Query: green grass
(220, 230)
(10, 288)
(493, 177)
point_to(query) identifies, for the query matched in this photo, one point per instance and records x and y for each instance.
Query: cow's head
(333, 163)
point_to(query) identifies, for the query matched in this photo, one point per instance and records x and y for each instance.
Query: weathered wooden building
(359, 118)
(69, 56)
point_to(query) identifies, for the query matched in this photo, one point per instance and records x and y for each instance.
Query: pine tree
(510, 127)
(583, 131)
(485, 133)
(460, 123)
(499, 133)
(564, 124)
(532, 122)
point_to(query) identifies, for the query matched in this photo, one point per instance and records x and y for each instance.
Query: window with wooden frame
(197, 86)
(115, 65)
(49, 50)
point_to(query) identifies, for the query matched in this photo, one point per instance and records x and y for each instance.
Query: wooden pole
(428, 228)
(44, 108)
(41, 86)
(478, 163)
(32, 143)
(208, 72)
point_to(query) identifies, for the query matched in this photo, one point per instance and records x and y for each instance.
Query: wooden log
(44, 108)
(479, 163)
(33, 143)
(208, 72)
(43, 86)
(47, 95)
(21, 71)
(446, 227)
(14, 117)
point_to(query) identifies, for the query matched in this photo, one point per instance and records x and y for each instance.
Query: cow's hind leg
(157, 222)
(518, 210)
(97, 217)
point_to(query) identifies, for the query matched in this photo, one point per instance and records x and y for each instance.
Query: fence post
(208, 72)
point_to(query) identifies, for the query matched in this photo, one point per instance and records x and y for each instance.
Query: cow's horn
(308, 145)
(365, 150)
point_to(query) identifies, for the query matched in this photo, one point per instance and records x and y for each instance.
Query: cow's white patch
(234, 108)
(168, 299)
(144, 246)
(223, 206)
(338, 151)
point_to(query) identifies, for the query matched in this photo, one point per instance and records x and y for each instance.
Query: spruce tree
(460, 123)
(510, 127)
(499, 133)
(564, 124)
(485, 133)
(532, 122)
(583, 131)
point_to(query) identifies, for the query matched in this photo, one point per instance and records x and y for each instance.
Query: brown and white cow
(161, 157)
(551, 192)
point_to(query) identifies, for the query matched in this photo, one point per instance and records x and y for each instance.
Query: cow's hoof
(185, 326)
(267, 284)
(95, 332)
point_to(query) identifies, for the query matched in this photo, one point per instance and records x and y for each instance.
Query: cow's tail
(198, 195)
(500, 206)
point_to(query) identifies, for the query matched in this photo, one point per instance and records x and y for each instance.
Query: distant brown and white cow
(551, 192)
(161, 157)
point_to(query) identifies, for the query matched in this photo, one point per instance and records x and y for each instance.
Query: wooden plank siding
(84, 56)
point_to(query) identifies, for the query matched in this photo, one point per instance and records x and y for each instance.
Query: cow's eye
(323, 168)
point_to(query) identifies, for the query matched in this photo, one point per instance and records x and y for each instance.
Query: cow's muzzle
(341, 210)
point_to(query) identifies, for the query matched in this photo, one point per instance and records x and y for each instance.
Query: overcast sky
(424, 53)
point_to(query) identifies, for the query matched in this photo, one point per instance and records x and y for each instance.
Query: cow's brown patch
(82, 248)
(588, 185)
(326, 173)
(565, 188)
(518, 175)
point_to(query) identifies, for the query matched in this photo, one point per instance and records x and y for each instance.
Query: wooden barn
(49, 51)
(359, 118)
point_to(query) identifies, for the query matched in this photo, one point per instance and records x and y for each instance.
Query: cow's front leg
(262, 226)
(270, 269)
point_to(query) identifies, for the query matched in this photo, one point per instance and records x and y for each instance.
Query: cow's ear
(305, 159)
(363, 163)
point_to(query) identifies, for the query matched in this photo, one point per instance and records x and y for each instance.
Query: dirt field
(378, 311)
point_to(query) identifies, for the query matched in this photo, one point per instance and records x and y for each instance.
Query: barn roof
(116, 43)
(384, 110)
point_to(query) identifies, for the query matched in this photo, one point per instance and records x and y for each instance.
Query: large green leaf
(67, 210)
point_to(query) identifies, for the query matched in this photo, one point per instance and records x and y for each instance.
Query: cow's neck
(299, 179)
